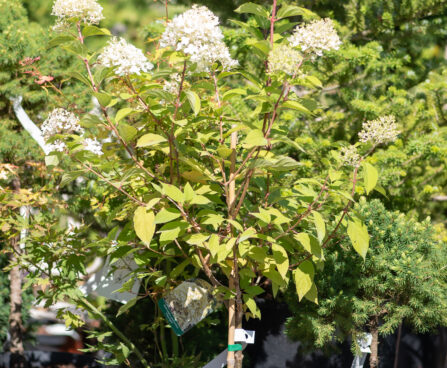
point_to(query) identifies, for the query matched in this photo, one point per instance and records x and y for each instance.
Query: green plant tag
(235, 347)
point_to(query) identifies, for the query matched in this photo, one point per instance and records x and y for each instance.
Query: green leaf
(144, 224)
(194, 101)
(314, 81)
(224, 151)
(172, 231)
(51, 160)
(252, 8)
(310, 244)
(371, 177)
(121, 114)
(173, 192)
(251, 305)
(127, 132)
(358, 233)
(320, 226)
(127, 306)
(213, 244)
(255, 138)
(188, 192)
(281, 163)
(254, 31)
(179, 269)
(90, 30)
(289, 11)
(80, 78)
(150, 140)
(312, 294)
(263, 46)
(69, 176)
(233, 92)
(290, 104)
(197, 239)
(59, 40)
(281, 259)
(166, 215)
(304, 276)
(103, 98)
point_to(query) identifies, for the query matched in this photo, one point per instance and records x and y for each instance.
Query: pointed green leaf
(358, 233)
(310, 244)
(320, 226)
(194, 101)
(371, 177)
(150, 140)
(281, 259)
(255, 138)
(144, 224)
(121, 114)
(304, 276)
(173, 192)
(253, 9)
(290, 104)
(166, 215)
(312, 294)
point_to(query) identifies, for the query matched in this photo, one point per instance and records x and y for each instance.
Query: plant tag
(364, 343)
(111, 278)
(242, 335)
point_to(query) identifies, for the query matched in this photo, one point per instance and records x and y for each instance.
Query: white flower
(381, 130)
(316, 37)
(197, 34)
(93, 146)
(3, 174)
(124, 57)
(350, 156)
(173, 85)
(285, 59)
(89, 11)
(60, 121)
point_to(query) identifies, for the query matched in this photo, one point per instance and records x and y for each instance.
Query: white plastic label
(241, 335)
(105, 282)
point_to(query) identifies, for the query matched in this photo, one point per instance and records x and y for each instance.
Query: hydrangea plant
(191, 142)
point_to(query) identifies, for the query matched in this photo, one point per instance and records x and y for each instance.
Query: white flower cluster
(197, 34)
(381, 130)
(350, 156)
(172, 86)
(61, 121)
(316, 37)
(285, 59)
(88, 11)
(93, 146)
(124, 57)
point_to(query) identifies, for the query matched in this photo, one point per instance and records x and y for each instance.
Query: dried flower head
(381, 130)
(285, 59)
(350, 156)
(197, 34)
(316, 37)
(88, 11)
(124, 57)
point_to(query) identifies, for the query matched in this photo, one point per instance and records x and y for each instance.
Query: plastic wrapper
(187, 304)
